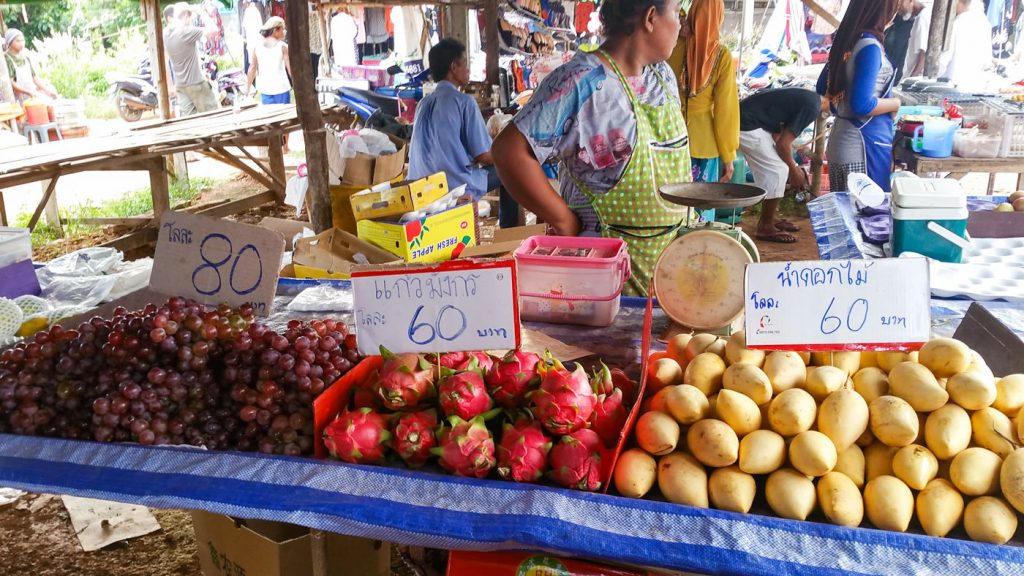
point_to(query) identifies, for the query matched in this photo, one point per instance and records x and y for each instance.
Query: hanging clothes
(584, 9)
(408, 24)
(819, 25)
(785, 30)
(343, 39)
(376, 27)
(277, 9)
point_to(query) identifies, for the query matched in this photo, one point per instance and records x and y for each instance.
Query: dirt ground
(38, 540)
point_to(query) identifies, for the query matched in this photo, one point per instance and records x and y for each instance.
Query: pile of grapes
(181, 373)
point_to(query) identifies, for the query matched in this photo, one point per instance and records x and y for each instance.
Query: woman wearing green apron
(613, 120)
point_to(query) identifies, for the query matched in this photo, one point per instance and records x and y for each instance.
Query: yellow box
(390, 201)
(436, 238)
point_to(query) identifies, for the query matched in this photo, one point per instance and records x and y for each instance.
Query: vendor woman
(613, 119)
(858, 81)
(27, 84)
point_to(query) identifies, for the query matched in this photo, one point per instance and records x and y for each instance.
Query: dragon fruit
(513, 377)
(628, 386)
(576, 461)
(565, 400)
(463, 394)
(413, 436)
(467, 448)
(358, 437)
(405, 380)
(461, 361)
(364, 395)
(602, 381)
(523, 452)
(609, 417)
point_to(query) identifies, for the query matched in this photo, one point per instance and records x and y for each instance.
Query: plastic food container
(15, 245)
(571, 280)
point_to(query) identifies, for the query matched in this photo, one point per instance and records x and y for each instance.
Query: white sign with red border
(838, 305)
(450, 307)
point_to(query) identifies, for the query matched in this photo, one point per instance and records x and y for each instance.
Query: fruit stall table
(222, 135)
(956, 167)
(429, 509)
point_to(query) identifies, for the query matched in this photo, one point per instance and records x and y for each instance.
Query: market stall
(222, 135)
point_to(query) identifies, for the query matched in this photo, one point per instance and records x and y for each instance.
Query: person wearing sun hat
(24, 80)
(269, 69)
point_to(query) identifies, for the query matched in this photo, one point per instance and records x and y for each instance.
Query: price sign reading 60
(216, 261)
(450, 307)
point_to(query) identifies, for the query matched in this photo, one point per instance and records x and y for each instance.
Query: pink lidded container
(571, 280)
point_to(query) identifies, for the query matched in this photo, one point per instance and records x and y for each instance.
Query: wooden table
(956, 167)
(222, 135)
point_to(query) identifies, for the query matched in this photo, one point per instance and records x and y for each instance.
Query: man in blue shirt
(449, 134)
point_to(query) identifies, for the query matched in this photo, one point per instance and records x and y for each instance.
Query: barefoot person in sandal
(769, 122)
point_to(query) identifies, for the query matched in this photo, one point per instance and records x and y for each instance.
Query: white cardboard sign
(838, 305)
(216, 261)
(451, 307)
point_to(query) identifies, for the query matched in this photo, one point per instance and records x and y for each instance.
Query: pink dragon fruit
(461, 361)
(364, 394)
(576, 461)
(602, 381)
(523, 452)
(463, 394)
(405, 380)
(609, 417)
(413, 436)
(467, 448)
(358, 437)
(565, 400)
(513, 377)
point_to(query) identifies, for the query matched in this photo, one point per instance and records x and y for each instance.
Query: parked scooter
(230, 86)
(133, 94)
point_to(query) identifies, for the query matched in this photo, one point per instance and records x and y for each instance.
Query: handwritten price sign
(838, 305)
(216, 261)
(451, 307)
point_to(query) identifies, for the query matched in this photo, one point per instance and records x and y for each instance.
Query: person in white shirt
(918, 46)
(969, 57)
(270, 69)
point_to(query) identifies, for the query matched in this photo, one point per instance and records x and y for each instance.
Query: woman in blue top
(858, 81)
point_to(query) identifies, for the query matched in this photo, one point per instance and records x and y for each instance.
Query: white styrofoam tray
(992, 269)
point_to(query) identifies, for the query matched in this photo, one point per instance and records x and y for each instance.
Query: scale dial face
(699, 279)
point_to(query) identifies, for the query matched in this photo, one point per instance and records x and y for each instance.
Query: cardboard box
(229, 546)
(365, 170)
(289, 228)
(386, 200)
(333, 253)
(505, 241)
(436, 238)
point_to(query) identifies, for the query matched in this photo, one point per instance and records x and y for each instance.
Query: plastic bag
(377, 143)
(91, 276)
(322, 298)
(497, 123)
(84, 262)
(295, 190)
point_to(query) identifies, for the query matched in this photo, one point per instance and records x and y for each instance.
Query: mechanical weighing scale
(698, 279)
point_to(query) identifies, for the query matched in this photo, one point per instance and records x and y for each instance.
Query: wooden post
(821, 11)
(319, 550)
(491, 40)
(941, 10)
(155, 31)
(158, 186)
(308, 110)
(275, 155)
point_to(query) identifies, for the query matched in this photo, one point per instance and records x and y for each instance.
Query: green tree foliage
(45, 18)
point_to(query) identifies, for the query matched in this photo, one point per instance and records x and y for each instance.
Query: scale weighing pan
(707, 195)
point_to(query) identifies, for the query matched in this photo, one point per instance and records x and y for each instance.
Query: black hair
(442, 56)
(169, 12)
(619, 18)
(267, 33)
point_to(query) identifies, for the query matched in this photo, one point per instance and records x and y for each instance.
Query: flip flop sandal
(779, 237)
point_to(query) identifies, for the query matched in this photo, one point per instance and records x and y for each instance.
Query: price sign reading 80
(217, 262)
(216, 251)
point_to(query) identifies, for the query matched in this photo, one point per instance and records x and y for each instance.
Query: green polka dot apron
(633, 210)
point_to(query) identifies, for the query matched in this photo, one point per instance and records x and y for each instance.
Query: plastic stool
(42, 132)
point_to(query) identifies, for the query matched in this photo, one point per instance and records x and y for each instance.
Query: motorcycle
(230, 86)
(133, 94)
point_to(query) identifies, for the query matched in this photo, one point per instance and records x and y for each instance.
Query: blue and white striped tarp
(424, 509)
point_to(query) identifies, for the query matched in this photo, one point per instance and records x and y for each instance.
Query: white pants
(770, 172)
